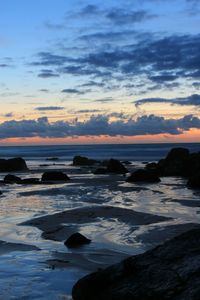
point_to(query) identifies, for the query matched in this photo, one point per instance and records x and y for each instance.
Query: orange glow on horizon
(191, 136)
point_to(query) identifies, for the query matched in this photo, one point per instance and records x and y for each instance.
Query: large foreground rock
(11, 179)
(170, 271)
(13, 164)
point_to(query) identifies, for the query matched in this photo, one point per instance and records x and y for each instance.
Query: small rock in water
(115, 166)
(100, 171)
(11, 179)
(83, 161)
(30, 181)
(144, 176)
(13, 164)
(52, 158)
(76, 240)
(54, 176)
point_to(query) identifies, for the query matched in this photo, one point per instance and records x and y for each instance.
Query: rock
(76, 240)
(170, 271)
(178, 162)
(126, 162)
(29, 181)
(11, 179)
(83, 161)
(54, 176)
(104, 163)
(194, 181)
(13, 164)
(115, 166)
(176, 154)
(52, 158)
(151, 166)
(175, 164)
(193, 164)
(144, 176)
(100, 171)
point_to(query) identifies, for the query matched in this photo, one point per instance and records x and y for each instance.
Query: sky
(75, 71)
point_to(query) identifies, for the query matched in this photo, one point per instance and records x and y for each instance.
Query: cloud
(9, 115)
(193, 100)
(162, 78)
(49, 59)
(44, 90)
(47, 74)
(196, 85)
(53, 26)
(47, 108)
(73, 91)
(4, 65)
(83, 111)
(92, 83)
(160, 60)
(104, 100)
(98, 125)
(110, 35)
(117, 15)
(89, 10)
(121, 16)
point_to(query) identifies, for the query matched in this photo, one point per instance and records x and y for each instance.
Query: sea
(28, 273)
(133, 152)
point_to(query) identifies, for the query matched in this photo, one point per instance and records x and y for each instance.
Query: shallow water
(27, 274)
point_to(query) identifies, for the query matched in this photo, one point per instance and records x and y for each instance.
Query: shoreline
(121, 218)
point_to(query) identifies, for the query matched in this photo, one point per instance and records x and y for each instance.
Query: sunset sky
(123, 71)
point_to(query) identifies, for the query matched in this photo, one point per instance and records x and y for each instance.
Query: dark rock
(11, 179)
(176, 154)
(54, 176)
(83, 161)
(144, 176)
(115, 166)
(76, 240)
(52, 158)
(178, 162)
(13, 164)
(175, 164)
(151, 166)
(194, 181)
(193, 164)
(104, 163)
(170, 271)
(100, 171)
(29, 181)
(126, 162)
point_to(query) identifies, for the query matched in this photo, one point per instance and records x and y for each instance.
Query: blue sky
(83, 64)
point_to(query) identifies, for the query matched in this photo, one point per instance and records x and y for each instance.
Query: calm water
(134, 152)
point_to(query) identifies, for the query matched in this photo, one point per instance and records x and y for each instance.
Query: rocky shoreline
(118, 282)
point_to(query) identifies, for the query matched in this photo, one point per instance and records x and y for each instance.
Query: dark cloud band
(98, 125)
